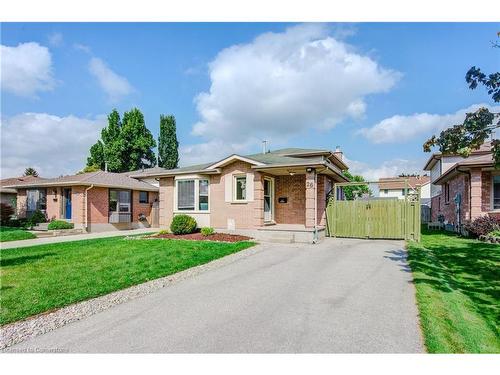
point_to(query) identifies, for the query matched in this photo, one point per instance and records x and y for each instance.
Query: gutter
(86, 224)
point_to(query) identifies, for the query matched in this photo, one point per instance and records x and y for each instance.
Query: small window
(203, 195)
(386, 191)
(240, 188)
(496, 192)
(447, 193)
(143, 197)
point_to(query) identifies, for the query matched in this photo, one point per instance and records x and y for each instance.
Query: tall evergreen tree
(168, 153)
(125, 145)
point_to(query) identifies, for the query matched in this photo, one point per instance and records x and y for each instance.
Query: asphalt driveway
(339, 296)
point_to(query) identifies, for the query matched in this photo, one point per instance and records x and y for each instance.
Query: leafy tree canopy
(89, 168)
(477, 127)
(125, 145)
(30, 172)
(353, 192)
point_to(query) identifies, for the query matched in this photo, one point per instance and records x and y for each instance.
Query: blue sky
(377, 90)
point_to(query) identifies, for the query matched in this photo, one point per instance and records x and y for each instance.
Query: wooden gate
(374, 218)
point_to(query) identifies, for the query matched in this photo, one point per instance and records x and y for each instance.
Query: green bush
(495, 233)
(207, 231)
(37, 218)
(60, 224)
(183, 224)
(163, 231)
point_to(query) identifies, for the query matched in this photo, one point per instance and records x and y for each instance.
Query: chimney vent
(264, 147)
(338, 153)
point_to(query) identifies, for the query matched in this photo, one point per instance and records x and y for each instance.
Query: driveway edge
(16, 332)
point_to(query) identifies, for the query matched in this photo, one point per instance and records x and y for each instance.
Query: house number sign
(309, 184)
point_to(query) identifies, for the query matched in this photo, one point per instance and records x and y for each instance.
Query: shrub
(37, 218)
(6, 211)
(482, 225)
(207, 231)
(163, 231)
(183, 224)
(60, 224)
(495, 233)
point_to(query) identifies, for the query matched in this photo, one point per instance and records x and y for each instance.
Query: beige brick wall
(166, 205)
(54, 203)
(21, 203)
(310, 200)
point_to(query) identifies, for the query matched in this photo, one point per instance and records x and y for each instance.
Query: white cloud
(115, 86)
(282, 84)
(55, 39)
(82, 47)
(26, 69)
(388, 168)
(401, 128)
(51, 144)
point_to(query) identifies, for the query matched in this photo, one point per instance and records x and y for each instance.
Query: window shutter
(228, 188)
(249, 186)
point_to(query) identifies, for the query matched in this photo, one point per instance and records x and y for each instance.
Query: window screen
(185, 195)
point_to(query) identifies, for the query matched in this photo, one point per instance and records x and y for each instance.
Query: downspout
(86, 207)
(315, 233)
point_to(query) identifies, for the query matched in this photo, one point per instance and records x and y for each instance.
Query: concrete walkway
(340, 296)
(76, 237)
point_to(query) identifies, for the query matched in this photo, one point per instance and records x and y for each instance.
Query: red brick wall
(459, 184)
(142, 208)
(486, 204)
(294, 188)
(98, 205)
(54, 203)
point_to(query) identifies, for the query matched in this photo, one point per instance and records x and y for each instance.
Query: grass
(14, 234)
(45, 277)
(458, 292)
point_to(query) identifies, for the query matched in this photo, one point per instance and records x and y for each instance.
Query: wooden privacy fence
(374, 218)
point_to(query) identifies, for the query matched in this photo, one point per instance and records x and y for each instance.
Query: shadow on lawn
(449, 263)
(16, 261)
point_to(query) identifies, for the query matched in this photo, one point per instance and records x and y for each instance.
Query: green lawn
(458, 293)
(14, 234)
(41, 278)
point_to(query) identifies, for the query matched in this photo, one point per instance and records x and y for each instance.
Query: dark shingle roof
(99, 178)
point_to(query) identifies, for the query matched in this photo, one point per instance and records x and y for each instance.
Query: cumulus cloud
(401, 128)
(26, 69)
(281, 84)
(388, 168)
(115, 86)
(51, 144)
(55, 39)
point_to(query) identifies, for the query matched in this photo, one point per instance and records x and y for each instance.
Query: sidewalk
(76, 237)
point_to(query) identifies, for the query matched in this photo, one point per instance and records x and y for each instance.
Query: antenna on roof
(264, 147)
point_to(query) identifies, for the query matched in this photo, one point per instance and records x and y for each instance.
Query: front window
(36, 199)
(240, 188)
(192, 195)
(496, 192)
(119, 201)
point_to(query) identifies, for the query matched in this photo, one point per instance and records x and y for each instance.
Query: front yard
(14, 234)
(40, 278)
(458, 293)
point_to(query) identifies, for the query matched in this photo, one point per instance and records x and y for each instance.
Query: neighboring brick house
(283, 192)
(464, 188)
(96, 201)
(9, 195)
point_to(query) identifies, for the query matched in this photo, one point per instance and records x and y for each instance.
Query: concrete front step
(57, 232)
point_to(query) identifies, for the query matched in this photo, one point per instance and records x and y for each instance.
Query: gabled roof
(99, 178)
(15, 180)
(484, 149)
(277, 158)
(481, 161)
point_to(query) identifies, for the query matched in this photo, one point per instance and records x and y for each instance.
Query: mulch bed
(221, 237)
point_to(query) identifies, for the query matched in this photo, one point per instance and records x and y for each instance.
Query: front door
(67, 203)
(268, 200)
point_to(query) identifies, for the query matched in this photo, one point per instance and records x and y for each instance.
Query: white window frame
(235, 195)
(196, 195)
(492, 195)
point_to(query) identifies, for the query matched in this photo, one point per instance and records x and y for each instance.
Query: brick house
(96, 201)
(464, 188)
(279, 194)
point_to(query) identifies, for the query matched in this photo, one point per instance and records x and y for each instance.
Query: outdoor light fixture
(291, 173)
(309, 170)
